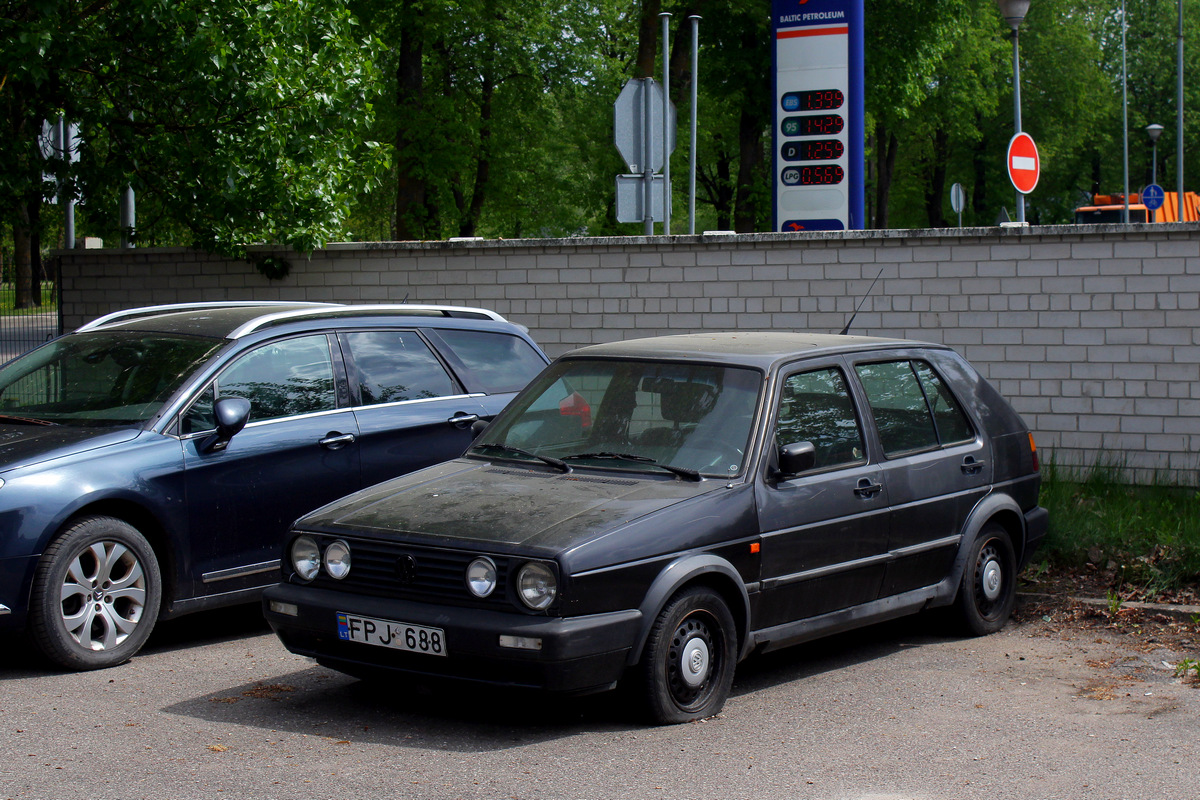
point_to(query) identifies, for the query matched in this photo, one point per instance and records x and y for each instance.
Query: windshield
(633, 415)
(100, 378)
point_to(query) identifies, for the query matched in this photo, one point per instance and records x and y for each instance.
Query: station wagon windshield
(100, 378)
(686, 419)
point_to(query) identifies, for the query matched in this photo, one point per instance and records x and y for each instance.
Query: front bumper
(16, 575)
(577, 654)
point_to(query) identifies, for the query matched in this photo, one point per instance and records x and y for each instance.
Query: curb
(1183, 612)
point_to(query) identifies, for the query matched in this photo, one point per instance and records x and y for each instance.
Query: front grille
(426, 574)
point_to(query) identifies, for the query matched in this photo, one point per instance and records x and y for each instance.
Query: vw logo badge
(406, 568)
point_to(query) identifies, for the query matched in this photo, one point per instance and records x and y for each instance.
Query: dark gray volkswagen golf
(657, 510)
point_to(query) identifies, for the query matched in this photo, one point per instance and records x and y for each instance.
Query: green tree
(236, 122)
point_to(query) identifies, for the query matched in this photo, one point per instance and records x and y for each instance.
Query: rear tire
(96, 594)
(988, 590)
(687, 667)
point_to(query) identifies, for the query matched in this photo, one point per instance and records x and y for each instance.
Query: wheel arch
(685, 572)
(999, 508)
(146, 523)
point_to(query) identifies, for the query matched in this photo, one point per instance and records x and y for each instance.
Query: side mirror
(796, 458)
(231, 415)
(478, 427)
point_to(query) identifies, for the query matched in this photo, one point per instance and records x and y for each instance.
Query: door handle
(462, 420)
(972, 467)
(336, 441)
(867, 489)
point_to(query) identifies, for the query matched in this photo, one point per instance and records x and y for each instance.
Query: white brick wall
(1092, 332)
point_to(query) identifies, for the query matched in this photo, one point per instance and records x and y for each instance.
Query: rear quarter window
(494, 363)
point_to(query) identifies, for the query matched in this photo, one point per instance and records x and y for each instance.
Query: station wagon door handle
(462, 420)
(972, 467)
(867, 489)
(336, 441)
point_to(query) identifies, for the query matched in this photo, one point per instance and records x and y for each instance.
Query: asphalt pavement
(215, 707)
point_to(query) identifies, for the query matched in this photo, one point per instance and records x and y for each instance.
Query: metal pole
(64, 194)
(1179, 116)
(1017, 110)
(647, 171)
(666, 57)
(695, 18)
(1124, 117)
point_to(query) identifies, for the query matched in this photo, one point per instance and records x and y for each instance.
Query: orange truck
(1109, 208)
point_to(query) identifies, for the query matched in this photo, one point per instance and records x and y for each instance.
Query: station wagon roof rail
(128, 314)
(291, 311)
(327, 311)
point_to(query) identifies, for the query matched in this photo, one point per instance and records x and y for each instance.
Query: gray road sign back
(630, 123)
(631, 198)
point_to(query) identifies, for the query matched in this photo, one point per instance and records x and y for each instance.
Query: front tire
(96, 594)
(687, 667)
(988, 590)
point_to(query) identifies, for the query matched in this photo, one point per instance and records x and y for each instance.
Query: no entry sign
(1024, 167)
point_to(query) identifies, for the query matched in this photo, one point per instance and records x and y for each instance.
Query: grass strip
(1147, 536)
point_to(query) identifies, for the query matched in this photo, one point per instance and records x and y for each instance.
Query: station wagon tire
(989, 583)
(687, 667)
(96, 594)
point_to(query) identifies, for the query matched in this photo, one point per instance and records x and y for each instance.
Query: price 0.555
(815, 175)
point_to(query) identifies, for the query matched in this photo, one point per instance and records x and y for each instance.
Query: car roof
(233, 320)
(762, 349)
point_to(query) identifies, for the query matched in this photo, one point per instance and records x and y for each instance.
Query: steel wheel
(96, 594)
(989, 583)
(689, 659)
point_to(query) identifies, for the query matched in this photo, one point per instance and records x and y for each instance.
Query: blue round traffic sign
(1153, 196)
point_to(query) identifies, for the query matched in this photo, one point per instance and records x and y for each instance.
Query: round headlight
(536, 585)
(306, 557)
(337, 560)
(481, 577)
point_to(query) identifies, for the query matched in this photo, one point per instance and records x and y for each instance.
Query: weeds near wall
(1145, 536)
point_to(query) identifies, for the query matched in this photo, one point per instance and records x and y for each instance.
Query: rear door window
(912, 407)
(395, 366)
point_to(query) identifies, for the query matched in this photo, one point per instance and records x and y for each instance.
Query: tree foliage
(274, 120)
(234, 122)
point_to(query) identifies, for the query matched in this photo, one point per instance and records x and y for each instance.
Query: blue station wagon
(152, 461)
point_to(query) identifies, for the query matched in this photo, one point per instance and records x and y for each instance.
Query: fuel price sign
(818, 130)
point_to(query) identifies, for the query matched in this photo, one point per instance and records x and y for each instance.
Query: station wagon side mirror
(231, 415)
(478, 427)
(796, 458)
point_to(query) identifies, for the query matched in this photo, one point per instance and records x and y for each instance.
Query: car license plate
(390, 633)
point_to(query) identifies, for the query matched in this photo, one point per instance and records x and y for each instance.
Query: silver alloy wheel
(103, 595)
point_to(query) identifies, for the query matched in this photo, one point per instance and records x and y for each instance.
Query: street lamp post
(1154, 130)
(1014, 12)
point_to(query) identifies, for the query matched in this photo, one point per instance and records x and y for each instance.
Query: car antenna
(846, 329)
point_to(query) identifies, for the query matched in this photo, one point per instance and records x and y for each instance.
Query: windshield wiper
(508, 448)
(683, 472)
(25, 420)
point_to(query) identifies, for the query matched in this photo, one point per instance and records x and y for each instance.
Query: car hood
(24, 445)
(504, 507)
